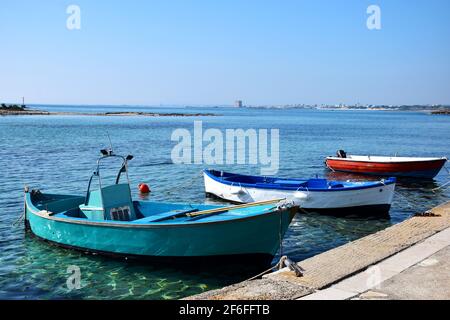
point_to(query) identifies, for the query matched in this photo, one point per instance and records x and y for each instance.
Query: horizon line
(225, 105)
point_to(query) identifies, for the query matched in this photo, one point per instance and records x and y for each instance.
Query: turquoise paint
(108, 198)
(254, 230)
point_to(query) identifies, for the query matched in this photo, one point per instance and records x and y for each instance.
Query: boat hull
(360, 201)
(238, 237)
(256, 259)
(415, 169)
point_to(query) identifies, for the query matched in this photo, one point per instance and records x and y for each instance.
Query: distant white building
(238, 103)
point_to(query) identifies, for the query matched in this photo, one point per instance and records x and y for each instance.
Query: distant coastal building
(238, 103)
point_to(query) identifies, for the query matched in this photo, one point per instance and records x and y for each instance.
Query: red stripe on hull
(385, 168)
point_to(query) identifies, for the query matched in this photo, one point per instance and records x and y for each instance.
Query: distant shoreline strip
(104, 114)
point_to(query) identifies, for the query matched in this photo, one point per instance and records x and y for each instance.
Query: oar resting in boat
(195, 213)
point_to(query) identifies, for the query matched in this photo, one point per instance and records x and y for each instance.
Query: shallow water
(58, 153)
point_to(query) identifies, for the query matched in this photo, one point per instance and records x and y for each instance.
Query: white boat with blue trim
(318, 195)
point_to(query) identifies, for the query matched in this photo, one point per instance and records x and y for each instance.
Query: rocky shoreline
(28, 112)
(445, 112)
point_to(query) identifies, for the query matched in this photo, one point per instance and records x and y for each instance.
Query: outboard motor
(341, 154)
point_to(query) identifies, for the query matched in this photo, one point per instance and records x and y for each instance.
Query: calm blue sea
(58, 153)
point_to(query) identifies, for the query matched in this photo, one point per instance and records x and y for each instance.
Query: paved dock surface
(431, 278)
(353, 270)
(419, 272)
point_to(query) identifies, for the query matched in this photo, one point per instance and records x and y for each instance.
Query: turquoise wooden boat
(108, 221)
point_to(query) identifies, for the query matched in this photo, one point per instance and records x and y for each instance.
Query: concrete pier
(408, 260)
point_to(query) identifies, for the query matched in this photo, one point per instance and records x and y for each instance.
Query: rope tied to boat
(446, 169)
(410, 203)
(297, 269)
(282, 205)
(284, 262)
(241, 192)
(280, 228)
(286, 204)
(444, 187)
(21, 218)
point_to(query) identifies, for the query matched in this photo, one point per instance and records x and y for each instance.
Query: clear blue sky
(214, 52)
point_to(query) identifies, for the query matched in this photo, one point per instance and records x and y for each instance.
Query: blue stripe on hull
(258, 182)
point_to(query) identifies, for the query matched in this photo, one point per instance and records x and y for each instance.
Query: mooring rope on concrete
(265, 271)
(283, 262)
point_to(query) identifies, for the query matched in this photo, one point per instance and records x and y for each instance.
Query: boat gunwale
(375, 184)
(417, 160)
(34, 210)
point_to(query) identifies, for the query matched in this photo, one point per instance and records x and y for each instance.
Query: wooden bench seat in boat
(164, 216)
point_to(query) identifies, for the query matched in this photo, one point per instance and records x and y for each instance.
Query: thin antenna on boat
(110, 143)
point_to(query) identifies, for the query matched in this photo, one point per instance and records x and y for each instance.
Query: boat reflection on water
(44, 270)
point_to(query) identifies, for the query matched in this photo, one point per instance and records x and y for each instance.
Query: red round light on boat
(144, 188)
